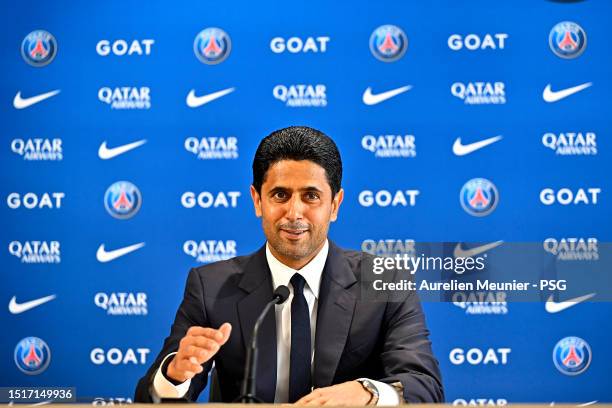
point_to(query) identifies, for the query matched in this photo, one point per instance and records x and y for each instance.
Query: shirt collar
(311, 272)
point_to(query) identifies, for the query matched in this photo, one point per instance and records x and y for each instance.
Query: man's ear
(256, 201)
(336, 205)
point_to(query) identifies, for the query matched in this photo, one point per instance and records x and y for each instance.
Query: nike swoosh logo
(468, 253)
(551, 96)
(556, 307)
(461, 149)
(584, 404)
(22, 103)
(105, 153)
(194, 101)
(372, 99)
(16, 308)
(106, 256)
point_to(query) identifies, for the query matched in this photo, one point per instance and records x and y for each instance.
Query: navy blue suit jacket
(384, 341)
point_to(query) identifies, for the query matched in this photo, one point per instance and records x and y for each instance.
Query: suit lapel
(257, 282)
(334, 316)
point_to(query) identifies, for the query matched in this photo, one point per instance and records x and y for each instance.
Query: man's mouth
(294, 233)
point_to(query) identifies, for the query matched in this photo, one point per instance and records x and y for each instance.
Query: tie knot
(298, 282)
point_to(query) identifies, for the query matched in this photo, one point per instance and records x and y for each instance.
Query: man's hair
(298, 143)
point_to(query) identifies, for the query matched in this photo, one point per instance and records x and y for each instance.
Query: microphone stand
(247, 395)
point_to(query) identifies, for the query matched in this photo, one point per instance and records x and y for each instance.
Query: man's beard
(293, 252)
(300, 250)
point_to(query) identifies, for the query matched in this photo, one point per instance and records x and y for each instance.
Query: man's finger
(206, 332)
(302, 400)
(201, 355)
(316, 401)
(196, 365)
(188, 368)
(226, 330)
(203, 342)
(192, 351)
(305, 399)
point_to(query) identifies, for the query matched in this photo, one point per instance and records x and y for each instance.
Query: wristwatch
(371, 388)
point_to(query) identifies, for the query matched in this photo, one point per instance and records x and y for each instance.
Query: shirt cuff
(164, 388)
(387, 394)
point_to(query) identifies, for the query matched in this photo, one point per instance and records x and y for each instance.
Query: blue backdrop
(199, 100)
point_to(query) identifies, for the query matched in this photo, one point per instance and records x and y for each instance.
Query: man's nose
(295, 208)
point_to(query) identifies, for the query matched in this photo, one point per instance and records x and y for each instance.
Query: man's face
(296, 207)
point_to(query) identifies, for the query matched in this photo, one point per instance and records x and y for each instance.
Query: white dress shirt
(281, 275)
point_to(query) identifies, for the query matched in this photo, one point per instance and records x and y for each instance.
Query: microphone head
(281, 294)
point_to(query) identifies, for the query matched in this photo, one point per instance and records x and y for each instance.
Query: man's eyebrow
(277, 188)
(311, 188)
(307, 188)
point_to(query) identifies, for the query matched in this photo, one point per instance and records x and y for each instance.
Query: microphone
(279, 296)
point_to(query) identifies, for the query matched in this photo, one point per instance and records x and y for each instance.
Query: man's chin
(294, 250)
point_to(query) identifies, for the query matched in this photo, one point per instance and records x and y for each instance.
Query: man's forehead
(298, 174)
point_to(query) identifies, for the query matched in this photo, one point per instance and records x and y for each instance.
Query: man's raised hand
(199, 345)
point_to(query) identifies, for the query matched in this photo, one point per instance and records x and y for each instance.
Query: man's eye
(312, 196)
(281, 195)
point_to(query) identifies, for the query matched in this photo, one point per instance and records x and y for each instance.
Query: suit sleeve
(407, 356)
(191, 312)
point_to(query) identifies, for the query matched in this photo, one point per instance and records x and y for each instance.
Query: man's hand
(198, 346)
(349, 393)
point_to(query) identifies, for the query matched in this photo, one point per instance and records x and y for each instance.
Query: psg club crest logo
(32, 355)
(388, 43)
(479, 197)
(39, 48)
(567, 40)
(122, 200)
(572, 355)
(212, 46)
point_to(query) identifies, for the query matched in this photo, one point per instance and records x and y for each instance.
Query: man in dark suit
(326, 344)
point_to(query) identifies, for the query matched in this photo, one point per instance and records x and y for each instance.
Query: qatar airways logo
(573, 249)
(210, 250)
(389, 247)
(480, 402)
(480, 93)
(301, 96)
(36, 252)
(210, 148)
(122, 303)
(103, 401)
(481, 303)
(387, 146)
(38, 149)
(571, 143)
(126, 97)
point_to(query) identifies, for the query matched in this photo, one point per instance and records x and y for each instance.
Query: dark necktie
(299, 369)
